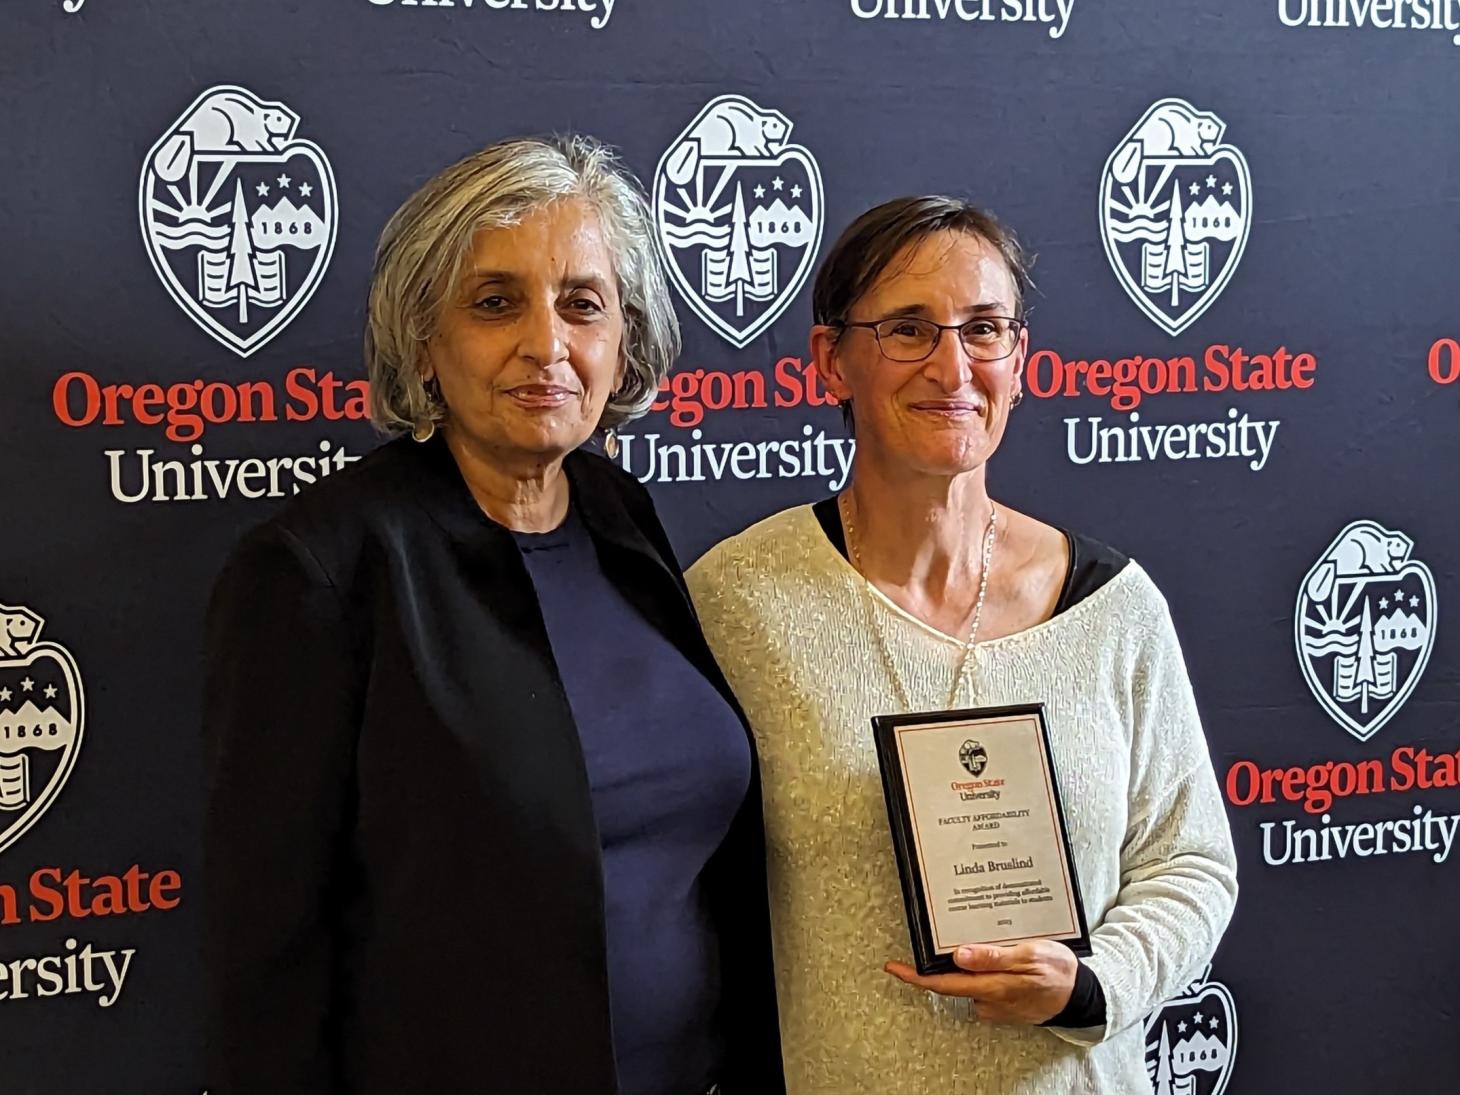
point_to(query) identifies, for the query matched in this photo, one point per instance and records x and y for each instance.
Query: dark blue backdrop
(156, 166)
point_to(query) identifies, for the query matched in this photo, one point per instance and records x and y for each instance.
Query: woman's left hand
(1024, 983)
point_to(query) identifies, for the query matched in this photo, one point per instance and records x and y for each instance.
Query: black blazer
(404, 885)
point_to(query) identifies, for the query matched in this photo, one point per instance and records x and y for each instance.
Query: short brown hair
(867, 248)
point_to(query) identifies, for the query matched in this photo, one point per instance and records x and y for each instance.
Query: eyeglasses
(908, 338)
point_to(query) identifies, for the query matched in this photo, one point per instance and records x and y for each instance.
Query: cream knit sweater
(787, 617)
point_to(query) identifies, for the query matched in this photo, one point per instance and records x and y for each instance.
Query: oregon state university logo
(739, 213)
(1175, 210)
(1191, 1043)
(1365, 625)
(41, 718)
(974, 757)
(238, 215)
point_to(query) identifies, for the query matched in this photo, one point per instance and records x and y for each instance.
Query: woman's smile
(541, 397)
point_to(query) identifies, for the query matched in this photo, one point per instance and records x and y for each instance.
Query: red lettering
(112, 394)
(61, 399)
(1293, 784)
(147, 396)
(357, 407)
(111, 897)
(716, 392)
(256, 402)
(685, 408)
(1073, 370)
(1040, 386)
(218, 402)
(74, 905)
(43, 894)
(1236, 359)
(790, 392)
(9, 905)
(164, 885)
(1445, 361)
(1218, 376)
(1303, 366)
(328, 388)
(134, 878)
(1400, 762)
(816, 393)
(1242, 769)
(1422, 760)
(303, 403)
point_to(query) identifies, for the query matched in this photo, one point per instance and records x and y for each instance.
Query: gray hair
(426, 243)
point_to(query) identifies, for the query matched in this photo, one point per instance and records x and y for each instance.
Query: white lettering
(1424, 832)
(1443, 15)
(1055, 14)
(1090, 441)
(586, 7)
(812, 456)
(202, 478)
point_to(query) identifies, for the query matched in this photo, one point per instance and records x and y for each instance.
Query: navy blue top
(668, 766)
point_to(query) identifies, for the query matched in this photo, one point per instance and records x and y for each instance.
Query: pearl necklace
(983, 586)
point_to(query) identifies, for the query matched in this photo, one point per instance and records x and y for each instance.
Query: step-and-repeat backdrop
(1244, 371)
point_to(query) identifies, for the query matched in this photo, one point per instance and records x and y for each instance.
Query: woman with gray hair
(485, 816)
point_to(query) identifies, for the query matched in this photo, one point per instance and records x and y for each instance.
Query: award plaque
(979, 831)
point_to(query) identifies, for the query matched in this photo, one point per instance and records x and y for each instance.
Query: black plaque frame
(899, 816)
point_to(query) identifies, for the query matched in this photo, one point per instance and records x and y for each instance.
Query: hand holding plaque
(979, 831)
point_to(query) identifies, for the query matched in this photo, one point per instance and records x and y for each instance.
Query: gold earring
(1018, 398)
(424, 431)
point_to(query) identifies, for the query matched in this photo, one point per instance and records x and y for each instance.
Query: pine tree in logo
(1175, 267)
(240, 251)
(739, 275)
(1365, 677)
(1163, 1065)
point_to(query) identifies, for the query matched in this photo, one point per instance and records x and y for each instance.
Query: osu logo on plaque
(739, 213)
(1191, 1042)
(973, 757)
(238, 215)
(41, 718)
(1175, 209)
(1365, 625)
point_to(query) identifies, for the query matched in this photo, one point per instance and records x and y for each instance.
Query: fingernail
(965, 954)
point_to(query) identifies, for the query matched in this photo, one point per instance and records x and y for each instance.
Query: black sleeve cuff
(1087, 1002)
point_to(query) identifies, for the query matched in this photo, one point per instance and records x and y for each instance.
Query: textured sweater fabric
(791, 623)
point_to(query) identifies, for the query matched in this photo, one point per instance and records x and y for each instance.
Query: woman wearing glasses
(916, 591)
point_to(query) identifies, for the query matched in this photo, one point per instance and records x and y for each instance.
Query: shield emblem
(1365, 625)
(41, 720)
(973, 757)
(238, 215)
(1175, 211)
(1191, 1042)
(738, 212)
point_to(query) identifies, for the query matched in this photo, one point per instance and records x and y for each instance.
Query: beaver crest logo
(1191, 1042)
(41, 718)
(1365, 625)
(1175, 210)
(973, 757)
(739, 212)
(238, 215)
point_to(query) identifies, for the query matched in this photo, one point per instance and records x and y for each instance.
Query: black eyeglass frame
(1018, 326)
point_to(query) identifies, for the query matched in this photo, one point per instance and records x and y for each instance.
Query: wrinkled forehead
(960, 269)
(564, 232)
